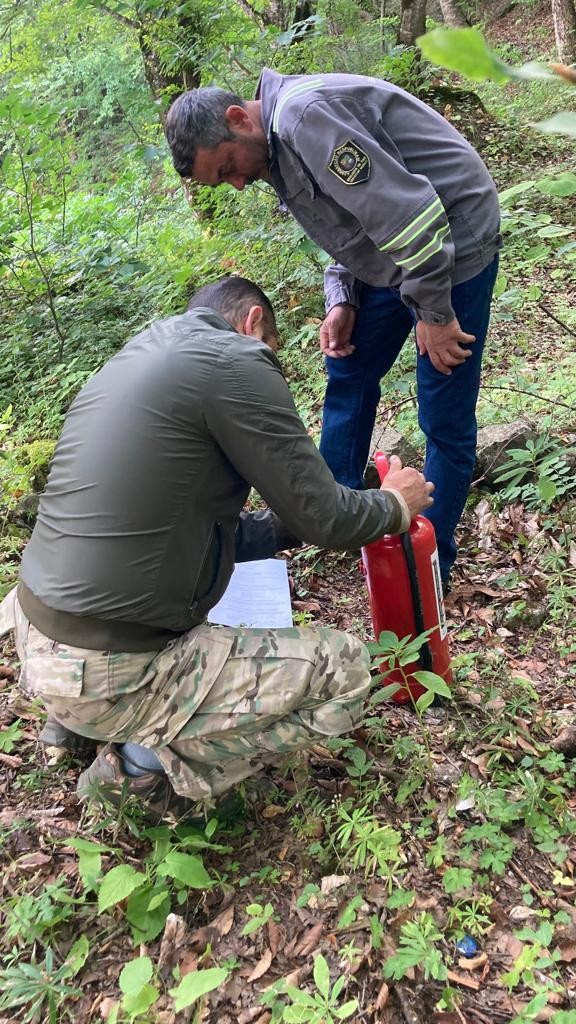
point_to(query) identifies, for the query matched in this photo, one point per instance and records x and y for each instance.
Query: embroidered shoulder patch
(350, 163)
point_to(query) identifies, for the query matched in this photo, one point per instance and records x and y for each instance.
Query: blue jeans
(446, 405)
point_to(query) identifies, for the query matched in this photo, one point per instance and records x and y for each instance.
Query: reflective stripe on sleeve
(416, 227)
(427, 251)
(296, 90)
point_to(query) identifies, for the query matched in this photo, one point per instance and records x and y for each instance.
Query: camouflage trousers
(216, 705)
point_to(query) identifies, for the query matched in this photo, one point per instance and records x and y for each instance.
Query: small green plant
(38, 989)
(537, 474)
(9, 737)
(368, 843)
(322, 1006)
(258, 915)
(470, 916)
(417, 949)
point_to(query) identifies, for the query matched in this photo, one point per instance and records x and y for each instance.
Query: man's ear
(253, 322)
(237, 118)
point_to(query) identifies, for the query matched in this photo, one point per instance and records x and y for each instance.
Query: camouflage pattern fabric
(216, 705)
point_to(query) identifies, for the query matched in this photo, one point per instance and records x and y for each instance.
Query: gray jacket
(383, 183)
(140, 523)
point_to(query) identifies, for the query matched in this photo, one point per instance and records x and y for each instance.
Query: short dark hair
(233, 297)
(197, 118)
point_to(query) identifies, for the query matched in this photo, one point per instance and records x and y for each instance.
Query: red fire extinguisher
(403, 578)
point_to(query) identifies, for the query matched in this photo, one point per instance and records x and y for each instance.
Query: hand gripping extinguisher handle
(383, 465)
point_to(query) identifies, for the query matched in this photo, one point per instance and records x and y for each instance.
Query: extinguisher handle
(382, 464)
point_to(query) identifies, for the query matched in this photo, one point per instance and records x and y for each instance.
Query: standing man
(137, 533)
(408, 210)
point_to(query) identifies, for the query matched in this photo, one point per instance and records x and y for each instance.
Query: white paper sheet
(258, 596)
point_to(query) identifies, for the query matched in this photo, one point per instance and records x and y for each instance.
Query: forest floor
(364, 851)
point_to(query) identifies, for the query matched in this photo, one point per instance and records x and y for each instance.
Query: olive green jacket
(140, 523)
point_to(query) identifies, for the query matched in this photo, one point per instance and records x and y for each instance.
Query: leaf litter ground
(516, 666)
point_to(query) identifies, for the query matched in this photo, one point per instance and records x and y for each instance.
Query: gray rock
(389, 441)
(494, 443)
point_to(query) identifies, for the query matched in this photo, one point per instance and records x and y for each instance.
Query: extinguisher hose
(425, 652)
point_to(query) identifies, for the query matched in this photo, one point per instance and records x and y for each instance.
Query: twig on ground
(556, 320)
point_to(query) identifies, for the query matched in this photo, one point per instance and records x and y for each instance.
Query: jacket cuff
(431, 316)
(405, 518)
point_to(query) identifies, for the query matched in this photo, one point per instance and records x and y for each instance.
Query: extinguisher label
(443, 628)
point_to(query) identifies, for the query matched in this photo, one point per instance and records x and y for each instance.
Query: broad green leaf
(346, 1010)
(135, 974)
(433, 682)
(563, 123)
(196, 984)
(322, 975)
(186, 868)
(137, 1003)
(385, 693)
(508, 194)
(118, 884)
(456, 879)
(463, 50)
(547, 488)
(424, 701)
(562, 185)
(77, 956)
(553, 231)
(147, 910)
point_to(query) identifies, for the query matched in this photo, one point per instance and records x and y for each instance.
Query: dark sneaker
(106, 781)
(55, 735)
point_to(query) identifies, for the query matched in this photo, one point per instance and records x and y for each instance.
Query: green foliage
(197, 984)
(417, 949)
(37, 989)
(320, 1007)
(538, 473)
(466, 51)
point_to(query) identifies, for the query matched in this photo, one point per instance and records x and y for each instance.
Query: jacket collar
(288, 175)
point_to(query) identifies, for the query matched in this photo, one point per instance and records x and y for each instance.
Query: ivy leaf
(118, 884)
(196, 984)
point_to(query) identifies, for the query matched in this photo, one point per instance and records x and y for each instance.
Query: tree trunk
(564, 17)
(452, 14)
(412, 21)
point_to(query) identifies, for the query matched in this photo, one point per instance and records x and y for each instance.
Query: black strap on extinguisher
(425, 652)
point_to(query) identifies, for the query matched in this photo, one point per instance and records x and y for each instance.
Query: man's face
(238, 162)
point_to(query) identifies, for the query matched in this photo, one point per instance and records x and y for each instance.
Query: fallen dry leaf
(309, 941)
(274, 936)
(382, 997)
(273, 810)
(261, 967)
(11, 760)
(331, 882)
(212, 932)
(33, 860)
(461, 979)
(7, 672)
(473, 963)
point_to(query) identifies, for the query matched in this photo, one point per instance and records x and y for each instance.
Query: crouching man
(136, 538)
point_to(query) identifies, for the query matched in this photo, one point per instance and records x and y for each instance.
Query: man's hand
(336, 330)
(412, 485)
(444, 344)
